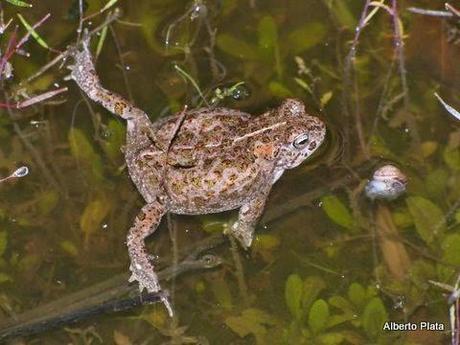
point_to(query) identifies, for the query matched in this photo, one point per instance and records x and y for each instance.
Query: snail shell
(388, 182)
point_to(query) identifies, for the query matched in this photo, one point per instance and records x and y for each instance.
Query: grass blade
(449, 108)
(101, 41)
(187, 76)
(108, 5)
(33, 33)
(19, 3)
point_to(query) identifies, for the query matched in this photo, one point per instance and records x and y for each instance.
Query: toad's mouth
(302, 156)
(296, 160)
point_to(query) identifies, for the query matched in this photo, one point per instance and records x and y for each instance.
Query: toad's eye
(301, 141)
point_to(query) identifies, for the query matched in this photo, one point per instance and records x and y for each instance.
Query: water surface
(320, 270)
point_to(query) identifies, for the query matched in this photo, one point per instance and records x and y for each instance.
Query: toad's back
(202, 128)
(209, 169)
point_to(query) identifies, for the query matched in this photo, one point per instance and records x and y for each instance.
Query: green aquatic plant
(451, 249)
(334, 300)
(293, 295)
(237, 91)
(85, 154)
(270, 46)
(321, 321)
(114, 134)
(338, 212)
(428, 218)
(192, 81)
(252, 321)
(19, 3)
(3, 242)
(47, 201)
(94, 213)
(32, 32)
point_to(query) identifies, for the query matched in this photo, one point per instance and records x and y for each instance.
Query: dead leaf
(121, 339)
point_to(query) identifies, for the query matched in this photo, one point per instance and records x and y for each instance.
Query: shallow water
(320, 270)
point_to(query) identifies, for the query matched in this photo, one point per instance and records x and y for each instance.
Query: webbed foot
(148, 280)
(82, 71)
(244, 235)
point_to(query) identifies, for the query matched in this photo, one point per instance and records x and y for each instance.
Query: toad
(201, 161)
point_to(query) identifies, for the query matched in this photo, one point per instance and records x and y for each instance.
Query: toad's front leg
(249, 214)
(142, 270)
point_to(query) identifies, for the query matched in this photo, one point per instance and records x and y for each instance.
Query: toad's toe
(146, 278)
(242, 235)
(149, 282)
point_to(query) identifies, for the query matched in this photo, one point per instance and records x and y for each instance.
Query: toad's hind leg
(84, 74)
(142, 270)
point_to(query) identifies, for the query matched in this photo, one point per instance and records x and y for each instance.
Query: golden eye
(301, 141)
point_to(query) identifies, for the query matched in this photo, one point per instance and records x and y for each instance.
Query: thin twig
(431, 13)
(33, 151)
(353, 49)
(381, 106)
(239, 271)
(40, 98)
(122, 62)
(347, 74)
(454, 112)
(80, 19)
(188, 77)
(455, 12)
(175, 262)
(33, 100)
(105, 8)
(111, 17)
(399, 50)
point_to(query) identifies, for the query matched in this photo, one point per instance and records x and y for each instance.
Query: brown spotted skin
(203, 161)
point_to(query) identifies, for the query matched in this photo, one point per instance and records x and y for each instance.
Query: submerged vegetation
(328, 266)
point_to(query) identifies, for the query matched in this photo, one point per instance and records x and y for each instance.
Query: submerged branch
(33, 100)
(112, 295)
